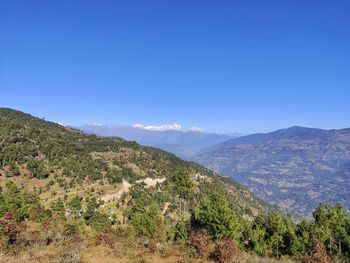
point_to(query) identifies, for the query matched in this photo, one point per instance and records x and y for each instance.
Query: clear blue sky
(245, 66)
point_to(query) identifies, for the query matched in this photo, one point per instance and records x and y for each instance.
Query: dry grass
(96, 254)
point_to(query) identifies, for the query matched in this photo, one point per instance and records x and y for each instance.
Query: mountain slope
(295, 168)
(65, 195)
(57, 161)
(181, 143)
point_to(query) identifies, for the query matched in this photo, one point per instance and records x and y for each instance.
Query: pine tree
(215, 215)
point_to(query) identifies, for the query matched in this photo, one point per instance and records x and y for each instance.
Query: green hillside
(55, 160)
(70, 197)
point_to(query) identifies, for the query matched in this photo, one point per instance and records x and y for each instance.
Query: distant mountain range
(295, 168)
(167, 137)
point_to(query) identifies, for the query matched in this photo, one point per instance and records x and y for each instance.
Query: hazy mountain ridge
(182, 143)
(295, 168)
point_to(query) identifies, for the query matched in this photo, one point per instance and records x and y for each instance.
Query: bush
(106, 238)
(70, 230)
(20, 203)
(69, 254)
(317, 254)
(181, 230)
(152, 247)
(75, 203)
(226, 251)
(37, 169)
(13, 170)
(99, 221)
(10, 231)
(200, 240)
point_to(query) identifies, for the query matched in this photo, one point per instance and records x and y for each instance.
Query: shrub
(69, 254)
(200, 240)
(152, 247)
(10, 231)
(226, 251)
(99, 221)
(75, 203)
(105, 238)
(181, 230)
(317, 254)
(70, 230)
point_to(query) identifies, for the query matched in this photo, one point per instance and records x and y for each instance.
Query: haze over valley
(171, 138)
(295, 168)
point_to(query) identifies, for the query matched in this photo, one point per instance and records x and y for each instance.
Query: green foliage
(114, 176)
(276, 235)
(182, 183)
(58, 207)
(332, 228)
(37, 169)
(45, 147)
(129, 175)
(304, 232)
(92, 206)
(280, 235)
(215, 215)
(148, 222)
(12, 199)
(273, 234)
(253, 237)
(99, 221)
(13, 170)
(75, 203)
(181, 230)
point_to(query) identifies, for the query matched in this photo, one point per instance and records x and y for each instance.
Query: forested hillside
(55, 161)
(70, 197)
(295, 168)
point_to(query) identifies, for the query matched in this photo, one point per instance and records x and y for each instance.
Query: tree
(304, 232)
(280, 235)
(148, 222)
(12, 199)
(182, 183)
(92, 206)
(215, 215)
(253, 237)
(317, 254)
(332, 228)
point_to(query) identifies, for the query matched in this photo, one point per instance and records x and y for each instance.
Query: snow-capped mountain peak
(164, 127)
